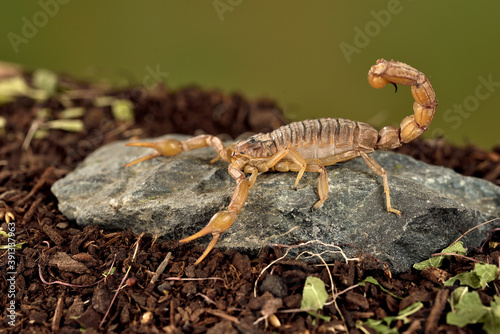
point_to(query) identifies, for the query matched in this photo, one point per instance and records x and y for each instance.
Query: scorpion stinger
(310, 145)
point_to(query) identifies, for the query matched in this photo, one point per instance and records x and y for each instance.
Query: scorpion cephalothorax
(310, 145)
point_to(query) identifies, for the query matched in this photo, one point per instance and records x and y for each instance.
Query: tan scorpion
(309, 146)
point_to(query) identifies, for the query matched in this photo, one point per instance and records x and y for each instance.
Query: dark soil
(217, 296)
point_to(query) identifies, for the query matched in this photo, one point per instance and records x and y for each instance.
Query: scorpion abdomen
(313, 139)
(317, 138)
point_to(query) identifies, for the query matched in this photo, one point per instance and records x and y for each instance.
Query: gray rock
(176, 196)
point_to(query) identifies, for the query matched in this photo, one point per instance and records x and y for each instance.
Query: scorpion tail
(424, 108)
(163, 147)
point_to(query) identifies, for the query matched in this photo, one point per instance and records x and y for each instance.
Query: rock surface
(176, 196)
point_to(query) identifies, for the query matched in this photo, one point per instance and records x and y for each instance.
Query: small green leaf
(457, 248)
(314, 295)
(106, 273)
(41, 134)
(457, 294)
(492, 318)
(72, 112)
(402, 315)
(437, 261)
(17, 246)
(3, 234)
(104, 101)
(372, 280)
(45, 80)
(12, 87)
(73, 125)
(477, 278)
(469, 310)
(43, 113)
(486, 273)
(319, 316)
(123, 110)
(380, 327)
(468, 278)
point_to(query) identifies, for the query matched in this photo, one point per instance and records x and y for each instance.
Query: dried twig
(471, 229)
(194, 279)
(455, 254)
(38, 185)
(161, 268)
(56, 320)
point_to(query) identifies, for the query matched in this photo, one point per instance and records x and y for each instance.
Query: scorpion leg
(254, 171)
(296, 158)
(286, 166)
(168, 147)
(381, 172)
(223, 220)
(322, 183)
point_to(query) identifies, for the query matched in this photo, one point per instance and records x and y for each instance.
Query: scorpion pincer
(310, 145)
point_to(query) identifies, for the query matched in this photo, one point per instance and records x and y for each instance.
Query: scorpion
(309, 146)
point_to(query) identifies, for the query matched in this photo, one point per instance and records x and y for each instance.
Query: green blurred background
(312, 57)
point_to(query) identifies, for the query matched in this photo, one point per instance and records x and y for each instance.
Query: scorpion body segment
(314, 139)
(310, 145)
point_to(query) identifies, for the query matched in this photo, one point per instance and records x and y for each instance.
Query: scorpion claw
(163, 147)
(215, 238)
(147, 157)
(219, 223)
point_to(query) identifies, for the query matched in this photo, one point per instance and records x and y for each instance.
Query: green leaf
(437, 261)
(123, 110)
(314, 295)
(104, 101)
(73, 125)
(457, 248)
(492, 318)
(402, 315)
(469, 310)
(372, 280)
(43, 113)
(74, 112)
(380, 327)
(319, 316)
(486, 273)
(107, 273)
(477, 278)
(45, 80)
(457, 294)
(12, 87)
(41, 134)
(17, 246)
(468, 278)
